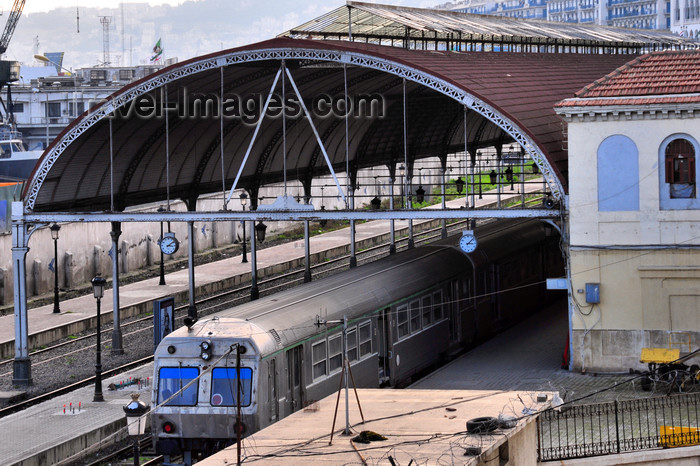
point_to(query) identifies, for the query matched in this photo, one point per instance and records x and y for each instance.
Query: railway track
(140, 327)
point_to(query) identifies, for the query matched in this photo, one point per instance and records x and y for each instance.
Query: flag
(110, 253)
(51, 268)
(204, 231)
(157, 51)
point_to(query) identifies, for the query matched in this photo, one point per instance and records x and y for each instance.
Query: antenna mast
(105, 20)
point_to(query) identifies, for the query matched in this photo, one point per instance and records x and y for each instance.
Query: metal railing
(618, 426)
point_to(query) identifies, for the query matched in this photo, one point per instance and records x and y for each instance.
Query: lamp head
(55, 228)
(98, 286)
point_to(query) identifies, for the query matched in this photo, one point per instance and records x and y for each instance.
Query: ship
(16, 162)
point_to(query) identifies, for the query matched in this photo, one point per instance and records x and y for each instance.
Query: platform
(51, 432)
(420, 427)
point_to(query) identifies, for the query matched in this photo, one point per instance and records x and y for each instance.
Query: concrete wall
(646, 258)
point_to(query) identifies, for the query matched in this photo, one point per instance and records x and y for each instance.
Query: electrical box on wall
(593, 293)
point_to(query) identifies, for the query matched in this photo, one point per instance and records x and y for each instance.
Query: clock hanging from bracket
(468, 242)
(169, 244)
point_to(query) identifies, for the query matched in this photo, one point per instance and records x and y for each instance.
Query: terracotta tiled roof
(657, 73)
(637, 101)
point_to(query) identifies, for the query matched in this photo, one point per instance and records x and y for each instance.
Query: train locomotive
(406, 313)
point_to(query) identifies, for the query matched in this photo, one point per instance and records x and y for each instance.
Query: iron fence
(618, 426)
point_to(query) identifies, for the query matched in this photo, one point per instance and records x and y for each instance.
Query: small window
(415, 316)
(53, 110)
(224, 389)
(80, 106)
(352, 344)
(437, 305)
(172, 380)
(335, 353)
(319, 359)
(427, 310)
(680, 168)
(365, 339)
(402, 321)
(18, 107)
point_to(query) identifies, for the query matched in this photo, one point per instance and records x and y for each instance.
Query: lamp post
(55, 228)
(136, 412)
(244, 200)
(98, 289)
(161, 209)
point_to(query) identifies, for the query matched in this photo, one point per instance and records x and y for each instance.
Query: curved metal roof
(508, 97)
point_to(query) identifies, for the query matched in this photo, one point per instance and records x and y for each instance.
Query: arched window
(680, 168)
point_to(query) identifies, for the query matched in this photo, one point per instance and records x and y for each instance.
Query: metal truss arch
(224, 59)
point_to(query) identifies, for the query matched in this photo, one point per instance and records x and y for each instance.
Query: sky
(188, 28)
(33, 6)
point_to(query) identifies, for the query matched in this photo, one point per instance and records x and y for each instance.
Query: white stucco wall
(647, 261)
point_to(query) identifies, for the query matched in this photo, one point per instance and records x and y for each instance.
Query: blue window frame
(172, 380)
(223, 386)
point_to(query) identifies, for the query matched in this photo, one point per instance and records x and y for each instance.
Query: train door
(295, 386)
(272, 390)
(385, 347)
(455, 313)
(494, 287)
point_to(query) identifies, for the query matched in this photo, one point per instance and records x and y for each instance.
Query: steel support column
(22, 365)
(192, 309)
(117, 347)
(254, 291)
(443, 222)
(353, 257)
(392, 226)
(307, 253)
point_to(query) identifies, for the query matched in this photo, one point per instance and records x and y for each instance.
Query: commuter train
(405, 314)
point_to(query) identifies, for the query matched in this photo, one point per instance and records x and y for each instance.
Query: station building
(634, 209)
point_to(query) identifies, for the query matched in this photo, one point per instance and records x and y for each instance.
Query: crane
(9, 70)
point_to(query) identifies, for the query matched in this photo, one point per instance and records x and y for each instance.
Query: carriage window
(352, 344)
(365, 339)
(224, 389)
(427, 309)
(335, 353)
(402, 321)
(319, 359)
(437, 305)
(172, 380)
(415, 316)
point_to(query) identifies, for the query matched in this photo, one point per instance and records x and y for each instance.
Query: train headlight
(206, 350)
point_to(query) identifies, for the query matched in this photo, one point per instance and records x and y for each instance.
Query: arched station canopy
(100, 163)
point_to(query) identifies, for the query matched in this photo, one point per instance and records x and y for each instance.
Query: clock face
(169, 244)
(467, 243)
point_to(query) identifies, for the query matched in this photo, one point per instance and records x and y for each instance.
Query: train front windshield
(224, 386)
(172, 380)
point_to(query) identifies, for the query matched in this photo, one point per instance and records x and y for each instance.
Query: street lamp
(244, 200)
(55, 228)
(161, 209)
(136, 412)
(98, 289)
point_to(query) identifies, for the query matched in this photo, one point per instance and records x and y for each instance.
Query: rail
(618, 426)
